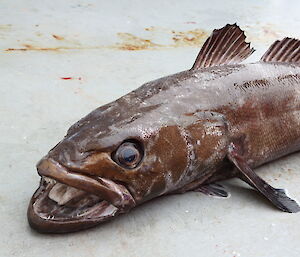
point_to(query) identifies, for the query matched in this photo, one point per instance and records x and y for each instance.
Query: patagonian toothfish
(183, 132)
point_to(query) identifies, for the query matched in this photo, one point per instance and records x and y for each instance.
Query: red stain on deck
(68, 78)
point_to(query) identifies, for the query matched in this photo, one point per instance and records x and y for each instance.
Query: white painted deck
(95, 44)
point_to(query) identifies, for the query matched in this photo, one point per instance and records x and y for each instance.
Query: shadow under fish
(183, 132)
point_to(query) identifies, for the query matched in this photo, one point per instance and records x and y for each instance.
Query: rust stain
(193, 38)
(189, 38)
(15, 49)
(58, 37)
(131, 42)
(150, 28)
(27, 47)
(5, 26)
(266, 33)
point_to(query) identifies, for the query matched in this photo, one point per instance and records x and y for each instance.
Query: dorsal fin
(285, 50)
(224, 46)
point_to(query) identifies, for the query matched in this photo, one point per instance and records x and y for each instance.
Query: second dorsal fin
(224, 46)
(285, 50)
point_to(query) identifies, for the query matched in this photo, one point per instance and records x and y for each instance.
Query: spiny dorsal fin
(285, 50)
(224, 46)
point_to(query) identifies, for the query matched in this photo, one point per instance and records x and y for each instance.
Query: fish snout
(115, 193)
(68, 201)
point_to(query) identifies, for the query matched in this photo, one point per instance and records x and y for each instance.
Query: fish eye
(128, 155)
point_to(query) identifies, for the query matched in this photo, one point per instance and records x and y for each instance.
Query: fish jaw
(68, 202)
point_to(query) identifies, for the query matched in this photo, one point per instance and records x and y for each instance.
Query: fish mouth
(67, 201)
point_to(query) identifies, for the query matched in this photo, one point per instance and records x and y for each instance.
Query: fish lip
(115, 193)
(45, 225)
(116, 197)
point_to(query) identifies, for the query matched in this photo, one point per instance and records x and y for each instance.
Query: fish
(183, 132)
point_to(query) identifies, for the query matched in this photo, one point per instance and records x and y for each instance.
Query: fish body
(182, 132)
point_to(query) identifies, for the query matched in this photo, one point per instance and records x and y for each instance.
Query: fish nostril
(67, 153)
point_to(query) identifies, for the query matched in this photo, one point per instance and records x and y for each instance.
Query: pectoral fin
(277, 196)
(214, 190)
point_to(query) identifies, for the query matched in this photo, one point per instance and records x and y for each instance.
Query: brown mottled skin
(185, 123)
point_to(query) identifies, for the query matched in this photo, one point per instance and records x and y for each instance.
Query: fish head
(118, 156)
(106, 164)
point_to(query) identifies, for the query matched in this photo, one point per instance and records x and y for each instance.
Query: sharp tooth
(61, 193)
(110, 210)
(49, 180)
